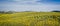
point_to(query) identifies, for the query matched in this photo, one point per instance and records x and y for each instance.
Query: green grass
(30, 19)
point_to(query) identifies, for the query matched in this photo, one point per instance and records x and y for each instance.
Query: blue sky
(29, 5)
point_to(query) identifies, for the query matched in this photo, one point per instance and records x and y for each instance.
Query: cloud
(41, 7)
(27, 5)
(24, 0)
(50, 1)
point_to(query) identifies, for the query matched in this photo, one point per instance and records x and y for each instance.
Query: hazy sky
(29, 5)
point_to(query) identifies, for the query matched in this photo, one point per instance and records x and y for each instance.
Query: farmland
(30, 19)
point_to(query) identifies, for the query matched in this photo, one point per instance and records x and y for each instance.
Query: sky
(29, 5)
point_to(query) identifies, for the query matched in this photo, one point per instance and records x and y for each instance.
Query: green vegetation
(7, 12)
(30, 19)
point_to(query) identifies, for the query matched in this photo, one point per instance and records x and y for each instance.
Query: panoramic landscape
(29, 12)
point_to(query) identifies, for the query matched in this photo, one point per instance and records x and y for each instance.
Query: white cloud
(28, 5)
(42, 7)
(24, 0)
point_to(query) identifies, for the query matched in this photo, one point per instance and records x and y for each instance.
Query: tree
(2, 11)
(55, 11)
(10, 12)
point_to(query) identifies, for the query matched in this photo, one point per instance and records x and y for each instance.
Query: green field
(30, 19)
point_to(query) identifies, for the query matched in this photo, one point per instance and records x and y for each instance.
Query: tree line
(7, 12)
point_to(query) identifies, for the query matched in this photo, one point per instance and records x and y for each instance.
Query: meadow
(30, 19)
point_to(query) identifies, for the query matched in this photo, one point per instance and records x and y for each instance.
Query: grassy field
(30, 19)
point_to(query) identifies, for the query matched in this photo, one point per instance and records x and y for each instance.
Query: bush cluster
(8, 12)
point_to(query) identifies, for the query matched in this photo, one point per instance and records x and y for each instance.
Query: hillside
(30, 19)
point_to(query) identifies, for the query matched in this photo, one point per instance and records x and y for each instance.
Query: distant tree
(55, 11)
(7, 12)
(10, 12)
(2, 11)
